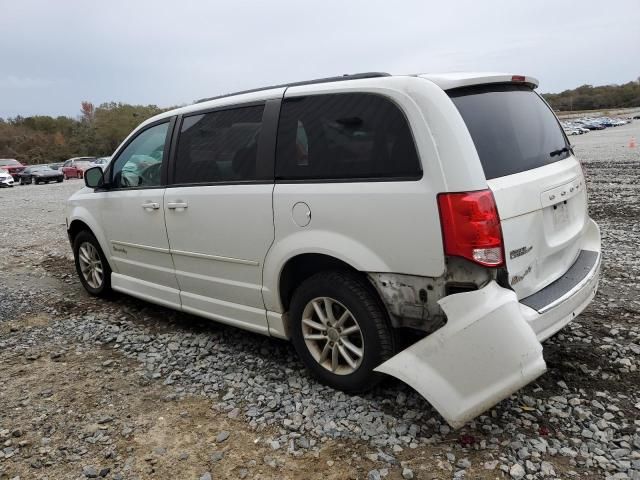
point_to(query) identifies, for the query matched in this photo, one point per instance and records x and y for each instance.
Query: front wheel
(91, 264)
(341, 330)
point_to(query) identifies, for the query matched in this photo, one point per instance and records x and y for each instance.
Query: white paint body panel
(544, 212)
(138, 245)
(218, 244)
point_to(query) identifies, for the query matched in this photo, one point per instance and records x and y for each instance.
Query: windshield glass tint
(512, 128)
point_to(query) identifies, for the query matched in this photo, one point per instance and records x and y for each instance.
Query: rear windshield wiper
(560, 151)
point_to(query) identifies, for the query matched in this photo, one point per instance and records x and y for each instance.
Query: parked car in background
(40, 174)
(12, 166)
(101, 162)
(56, 165)
(481, 244)
(6, 179)
(75, 167)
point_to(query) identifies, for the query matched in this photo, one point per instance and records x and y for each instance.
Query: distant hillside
(588, 97)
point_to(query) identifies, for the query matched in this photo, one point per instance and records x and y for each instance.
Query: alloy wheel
(332, 335)
(91, 265)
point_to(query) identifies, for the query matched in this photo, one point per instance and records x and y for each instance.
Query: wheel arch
(302, 266)
(80, 223)
(321, 248)
(75, 227)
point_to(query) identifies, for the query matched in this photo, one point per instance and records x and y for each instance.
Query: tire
(59, 180)
(34, 181)
(351, 292)
(86, 241)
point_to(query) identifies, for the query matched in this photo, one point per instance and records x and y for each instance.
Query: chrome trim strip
(215, 257)
(142, 247)
(206, 256)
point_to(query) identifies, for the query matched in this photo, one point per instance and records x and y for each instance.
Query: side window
(139, 164)
(67, 163)
(220, 146)
(343, 136)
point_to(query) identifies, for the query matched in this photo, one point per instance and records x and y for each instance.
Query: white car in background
(6, 180)
(101, 162)
(449, 206)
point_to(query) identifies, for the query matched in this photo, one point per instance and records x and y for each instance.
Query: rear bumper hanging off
(485, 352)
(490, 346)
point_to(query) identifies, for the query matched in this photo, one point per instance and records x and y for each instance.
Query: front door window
(140, 162)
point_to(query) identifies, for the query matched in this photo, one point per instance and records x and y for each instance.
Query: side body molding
(484, 353)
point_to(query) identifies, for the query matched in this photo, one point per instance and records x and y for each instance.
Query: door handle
(177, 205)
(151, 206)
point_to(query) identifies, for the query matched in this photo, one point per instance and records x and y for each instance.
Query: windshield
(512, 128)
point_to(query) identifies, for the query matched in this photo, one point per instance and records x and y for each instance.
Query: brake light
(471, 227)
(518, 78)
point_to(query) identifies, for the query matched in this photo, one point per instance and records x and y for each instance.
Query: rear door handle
(151, 206)
(176, 205)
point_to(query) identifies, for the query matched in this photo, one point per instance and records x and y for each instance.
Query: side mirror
(93, 177)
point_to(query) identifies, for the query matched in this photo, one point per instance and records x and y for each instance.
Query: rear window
(344, 136)
(512, 127)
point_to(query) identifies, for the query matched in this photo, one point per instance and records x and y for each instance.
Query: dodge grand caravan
(430, 227)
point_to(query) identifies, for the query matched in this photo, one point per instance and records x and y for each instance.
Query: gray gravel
(581, 418)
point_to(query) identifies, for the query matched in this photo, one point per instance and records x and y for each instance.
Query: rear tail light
(518, 78)
(471, 227)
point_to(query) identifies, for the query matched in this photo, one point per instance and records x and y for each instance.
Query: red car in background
(12, 166)
(75, 167)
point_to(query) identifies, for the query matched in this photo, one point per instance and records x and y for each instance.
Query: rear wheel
(59, 179)
(91, 264)
(340, 330)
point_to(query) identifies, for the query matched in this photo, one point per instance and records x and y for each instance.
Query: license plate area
(560, 214)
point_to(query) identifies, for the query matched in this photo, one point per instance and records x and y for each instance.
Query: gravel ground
(123, 389)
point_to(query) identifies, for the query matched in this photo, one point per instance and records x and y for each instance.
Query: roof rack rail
(354, 76)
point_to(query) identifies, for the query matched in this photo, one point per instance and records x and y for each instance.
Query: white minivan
(430, 227)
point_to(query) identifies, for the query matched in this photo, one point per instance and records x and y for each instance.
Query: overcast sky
(54, 54)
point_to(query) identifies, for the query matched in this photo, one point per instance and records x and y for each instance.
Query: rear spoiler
(448, 81)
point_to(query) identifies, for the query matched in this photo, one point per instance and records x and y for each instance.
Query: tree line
(588, 97)
(97, 131)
